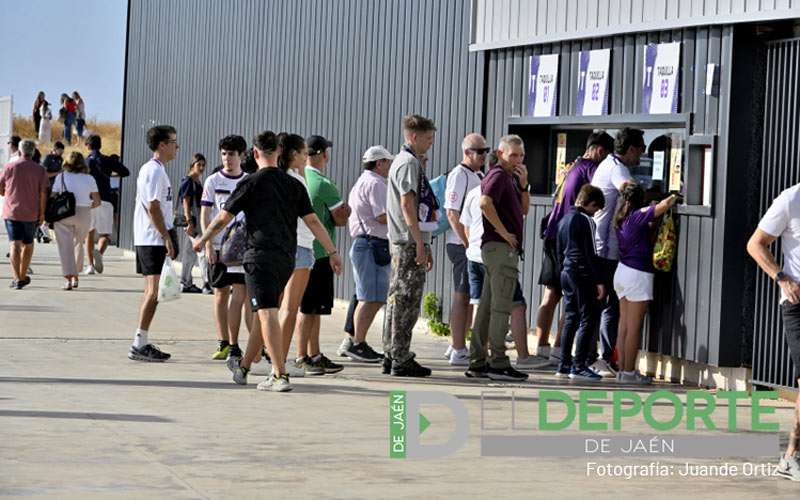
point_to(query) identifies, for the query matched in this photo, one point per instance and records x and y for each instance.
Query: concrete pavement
(79, 420)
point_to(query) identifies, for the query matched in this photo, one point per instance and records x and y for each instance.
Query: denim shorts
(372, 280)
(21, 231)
(304, 258)
(476, 272)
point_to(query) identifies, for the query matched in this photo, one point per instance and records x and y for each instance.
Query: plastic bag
(169, 286)
(666, 244)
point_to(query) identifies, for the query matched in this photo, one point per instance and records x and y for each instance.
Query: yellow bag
(666, 244)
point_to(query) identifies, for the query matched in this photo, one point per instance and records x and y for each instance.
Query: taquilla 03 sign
(591, 411)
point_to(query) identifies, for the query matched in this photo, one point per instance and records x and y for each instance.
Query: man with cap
(317, 300)
(369, 252)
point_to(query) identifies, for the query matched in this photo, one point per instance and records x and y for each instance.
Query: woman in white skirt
(45, 127)
(71, 232)
(633, 280)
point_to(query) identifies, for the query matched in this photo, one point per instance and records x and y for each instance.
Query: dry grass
(110, 132)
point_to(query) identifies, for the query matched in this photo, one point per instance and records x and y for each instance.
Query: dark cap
(317, 144)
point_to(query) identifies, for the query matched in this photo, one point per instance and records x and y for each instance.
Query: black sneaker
(479, 372)
(508, 374)
(235, 352)
(328, 365)
(148, 353)
(23, 282)
(191, 289)
(410, 369)
(363, 353)
(387, 365)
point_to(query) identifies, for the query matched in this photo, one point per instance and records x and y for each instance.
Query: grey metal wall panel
(548, 21)
(348, 70)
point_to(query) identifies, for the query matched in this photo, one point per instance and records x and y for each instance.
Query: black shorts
(550, 274)
(266, 280)
(150, 259)
(318, 297)
(791, 330)
(221, 278)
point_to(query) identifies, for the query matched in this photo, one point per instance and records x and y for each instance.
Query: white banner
(660, 85)
(593, 82)
(543, 85)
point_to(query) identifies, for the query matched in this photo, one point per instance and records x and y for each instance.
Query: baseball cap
(317, 144)
(376, 153)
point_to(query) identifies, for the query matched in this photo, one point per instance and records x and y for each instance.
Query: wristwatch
(331, 254)
(780, 276)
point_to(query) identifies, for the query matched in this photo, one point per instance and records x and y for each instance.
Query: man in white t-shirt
(460, 180)
(228, 282)
(153, 237)
(611, 177)
(782, 220)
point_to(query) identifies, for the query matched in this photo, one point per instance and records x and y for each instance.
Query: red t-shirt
(71, 106)
(24, 181)
(501, 188)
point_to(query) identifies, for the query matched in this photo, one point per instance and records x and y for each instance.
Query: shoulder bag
(60, 205)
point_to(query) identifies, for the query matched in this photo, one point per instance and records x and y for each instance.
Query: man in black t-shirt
(271, 201)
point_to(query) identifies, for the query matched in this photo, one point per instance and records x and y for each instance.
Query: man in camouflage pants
(411, 209)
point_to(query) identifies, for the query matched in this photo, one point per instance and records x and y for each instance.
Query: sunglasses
(481, 151)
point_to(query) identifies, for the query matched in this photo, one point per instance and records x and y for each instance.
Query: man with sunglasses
(611, 176)
(461, 180)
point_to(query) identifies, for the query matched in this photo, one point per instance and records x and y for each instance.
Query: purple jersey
(581, 173)
(635, 248)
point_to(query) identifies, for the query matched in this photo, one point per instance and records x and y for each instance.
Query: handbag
(60, 205)
(234, 244)
(666, 244)
(378, 246)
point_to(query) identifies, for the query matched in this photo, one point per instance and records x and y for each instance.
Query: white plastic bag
(169, 286)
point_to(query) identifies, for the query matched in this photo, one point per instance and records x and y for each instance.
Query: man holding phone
(504, 202)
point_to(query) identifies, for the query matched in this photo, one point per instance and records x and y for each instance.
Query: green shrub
(432, 308)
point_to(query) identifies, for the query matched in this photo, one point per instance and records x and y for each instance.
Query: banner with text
(661, 71)
(542, 85)
(593, 83)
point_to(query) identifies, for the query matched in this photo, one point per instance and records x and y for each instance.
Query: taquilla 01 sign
(592, 411)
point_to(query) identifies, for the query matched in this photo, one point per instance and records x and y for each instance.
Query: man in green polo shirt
(317, 301)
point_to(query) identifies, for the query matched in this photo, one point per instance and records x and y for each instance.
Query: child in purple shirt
(633, 280)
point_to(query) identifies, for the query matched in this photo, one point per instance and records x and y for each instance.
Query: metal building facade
(351, 69)
(348, 70)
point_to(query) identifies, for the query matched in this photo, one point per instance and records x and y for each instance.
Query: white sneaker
(531, 363)
(602, 368)
(448, 352)
(789, 468)
(88, 270)
(543, 351)
(345, 346)
(635, 379)
(275, 384)
(459, 357)
(262, 368)
(293, 370)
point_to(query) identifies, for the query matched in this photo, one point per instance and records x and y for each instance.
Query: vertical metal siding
(772, 364)
(504, 23)
(348, 70)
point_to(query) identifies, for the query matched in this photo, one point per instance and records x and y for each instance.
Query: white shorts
(103, 218)
(632, 284)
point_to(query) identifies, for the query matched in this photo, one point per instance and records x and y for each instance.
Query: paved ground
(79, 420)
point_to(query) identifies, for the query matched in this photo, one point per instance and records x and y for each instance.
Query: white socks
(140, 339)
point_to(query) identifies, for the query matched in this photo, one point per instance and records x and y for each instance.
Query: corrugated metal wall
(504, 23)
(348, 69)
(772, 364)
(686, 317)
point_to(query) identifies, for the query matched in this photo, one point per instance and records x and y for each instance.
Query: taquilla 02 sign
(592, 410)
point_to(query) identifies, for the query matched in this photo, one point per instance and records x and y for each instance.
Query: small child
(581, 282)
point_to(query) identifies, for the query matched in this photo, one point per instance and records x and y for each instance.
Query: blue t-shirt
(635, 247)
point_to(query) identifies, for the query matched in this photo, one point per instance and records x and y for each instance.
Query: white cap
(376, 153)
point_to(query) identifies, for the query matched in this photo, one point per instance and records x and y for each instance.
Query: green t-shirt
(324, 197)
